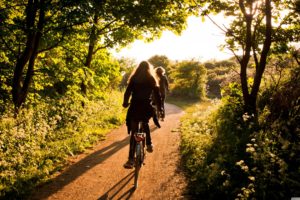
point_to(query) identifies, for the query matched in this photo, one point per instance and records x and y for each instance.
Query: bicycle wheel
(138, 163)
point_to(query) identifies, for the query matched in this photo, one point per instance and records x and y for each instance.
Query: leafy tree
(160, 61)
(33, 27)
(58, 74)
(109, 28)
(29, 28)
(189, 79)
(258, 28)
(126, 67)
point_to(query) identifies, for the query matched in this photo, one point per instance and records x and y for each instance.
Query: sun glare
(200, 41)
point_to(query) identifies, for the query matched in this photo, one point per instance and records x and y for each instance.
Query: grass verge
(37, 144)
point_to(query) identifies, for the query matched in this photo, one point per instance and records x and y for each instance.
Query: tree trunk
(245, 59)
(89, 57)
(264, 54)
(18, 72)
(92, 42)
(20, 88)
(250, 99)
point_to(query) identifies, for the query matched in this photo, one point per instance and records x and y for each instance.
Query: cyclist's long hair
(143, 73)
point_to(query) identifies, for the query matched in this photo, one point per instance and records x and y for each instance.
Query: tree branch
(54, 45)
(242, 7)
(74, 54)
(284, 20)
(103, 47)
(65, 27)
(295, 56)
(106, 26)
(225, 31)
(253, 41)
(235, 55)
(266, 47)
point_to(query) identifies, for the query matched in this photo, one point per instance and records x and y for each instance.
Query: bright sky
(201, 41)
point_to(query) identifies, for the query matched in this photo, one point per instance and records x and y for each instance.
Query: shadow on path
(115, 193)
(79, 168)
(82, 166)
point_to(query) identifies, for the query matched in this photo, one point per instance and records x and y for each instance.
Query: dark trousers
(163, 97)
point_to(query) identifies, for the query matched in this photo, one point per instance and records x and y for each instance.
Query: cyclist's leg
(148, 137)
(163, 97)
(134, 128)
(147, 131)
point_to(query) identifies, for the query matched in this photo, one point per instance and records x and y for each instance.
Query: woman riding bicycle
(141, 84)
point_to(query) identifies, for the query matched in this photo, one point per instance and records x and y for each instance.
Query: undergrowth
(229, 155)
(37, 143)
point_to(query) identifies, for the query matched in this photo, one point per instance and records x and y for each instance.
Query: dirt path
(99, 174)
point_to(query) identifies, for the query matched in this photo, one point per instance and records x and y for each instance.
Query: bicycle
(139, 153)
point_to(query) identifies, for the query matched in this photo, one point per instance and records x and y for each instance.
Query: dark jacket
(140, 108)
(163, 85)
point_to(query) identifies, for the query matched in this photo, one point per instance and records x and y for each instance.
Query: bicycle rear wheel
(138, 163)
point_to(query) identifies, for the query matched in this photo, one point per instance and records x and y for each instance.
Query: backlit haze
(200, 41)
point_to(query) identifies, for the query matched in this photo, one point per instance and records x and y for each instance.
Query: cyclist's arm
(167, 83)
(127, 95)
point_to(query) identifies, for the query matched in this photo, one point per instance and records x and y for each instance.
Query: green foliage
(107, 72)
(256, 30)
(126, 67)
(61, 48)
(36, 144)
(219, 74)
(161, 61)
(196, 143)
(283, 14)
(220, 136)
(79, 30)
(229, 154)
(189, 79)
(58, 74)
(275, 147)
(5, 90)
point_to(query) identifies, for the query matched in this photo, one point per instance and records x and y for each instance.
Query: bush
(219, 73)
